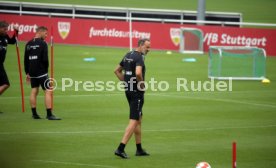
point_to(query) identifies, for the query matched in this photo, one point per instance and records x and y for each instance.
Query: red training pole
(52, 67)
(20, 73)
(234, 154)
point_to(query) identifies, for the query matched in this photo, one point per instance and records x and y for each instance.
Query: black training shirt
(129, 63)
(4, 41)
(36, 58)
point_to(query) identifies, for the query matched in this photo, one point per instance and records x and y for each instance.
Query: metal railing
(117, 13)
(129, 13)
(127, 18)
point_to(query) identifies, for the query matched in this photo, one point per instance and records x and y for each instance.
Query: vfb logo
(175, 35)
(64, 29)
(211, 38)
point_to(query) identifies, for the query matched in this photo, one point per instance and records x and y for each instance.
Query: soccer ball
(203, 165)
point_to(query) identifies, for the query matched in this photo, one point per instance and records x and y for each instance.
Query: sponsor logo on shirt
(33, 47)
(32, 57)
(128, 60)
(128, 73)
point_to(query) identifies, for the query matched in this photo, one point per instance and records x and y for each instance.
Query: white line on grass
(163, 95)
(74, 95)
(210, 129)
(72, 163)
(160, 130)
(215, 99)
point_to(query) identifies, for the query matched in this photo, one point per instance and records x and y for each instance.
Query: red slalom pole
(234, 155)
(52, 67)
(20, 73)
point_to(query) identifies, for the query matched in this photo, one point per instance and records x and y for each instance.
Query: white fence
(127, 14)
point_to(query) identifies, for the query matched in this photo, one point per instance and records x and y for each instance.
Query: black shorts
(4, 80)
(136, 102)
(44, 82)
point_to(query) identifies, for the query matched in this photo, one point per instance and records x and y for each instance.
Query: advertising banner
(114, 33)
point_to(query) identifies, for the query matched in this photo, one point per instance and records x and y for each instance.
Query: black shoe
(36, 116)
(121, 154)
(52, 117)
(142, 153)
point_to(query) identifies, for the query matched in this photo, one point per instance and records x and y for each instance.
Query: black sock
(49, 112)
(34, 111)
(139, 147)
(121, 147)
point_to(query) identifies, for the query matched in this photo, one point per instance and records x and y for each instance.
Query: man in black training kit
(4, 41)
(132, 70)
(36, 68)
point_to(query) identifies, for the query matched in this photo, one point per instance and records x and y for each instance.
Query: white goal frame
(182, 41)
(219, 48)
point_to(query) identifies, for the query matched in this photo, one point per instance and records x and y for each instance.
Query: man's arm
(139, 73)
(26, 64)
(45, 55)
(26, 60)
(139, 76)
(119, 72)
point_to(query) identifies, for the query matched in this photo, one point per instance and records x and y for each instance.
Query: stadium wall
(164, 36)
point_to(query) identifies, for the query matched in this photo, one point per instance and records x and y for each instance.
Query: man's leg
(48, 105)
(129, 130)
(44, 83)
(33, 96)
(138, 132)
(34, 93)
(3, 88)
(127, 135)
(4, 80)
(138, 139)
(48, 99)
(134, 120)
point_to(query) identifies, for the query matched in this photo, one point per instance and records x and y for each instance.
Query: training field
(180, 128)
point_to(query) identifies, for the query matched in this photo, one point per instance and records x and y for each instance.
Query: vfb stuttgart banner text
(116, 33)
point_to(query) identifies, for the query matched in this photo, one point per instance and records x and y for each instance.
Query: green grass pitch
(180, 129)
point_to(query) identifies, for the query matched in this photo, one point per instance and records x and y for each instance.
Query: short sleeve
(140, 61)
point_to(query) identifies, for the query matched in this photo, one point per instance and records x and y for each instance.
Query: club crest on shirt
(175, 36)
(64, 29)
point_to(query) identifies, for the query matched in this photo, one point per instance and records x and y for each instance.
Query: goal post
(237, 63)
(191, 41)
